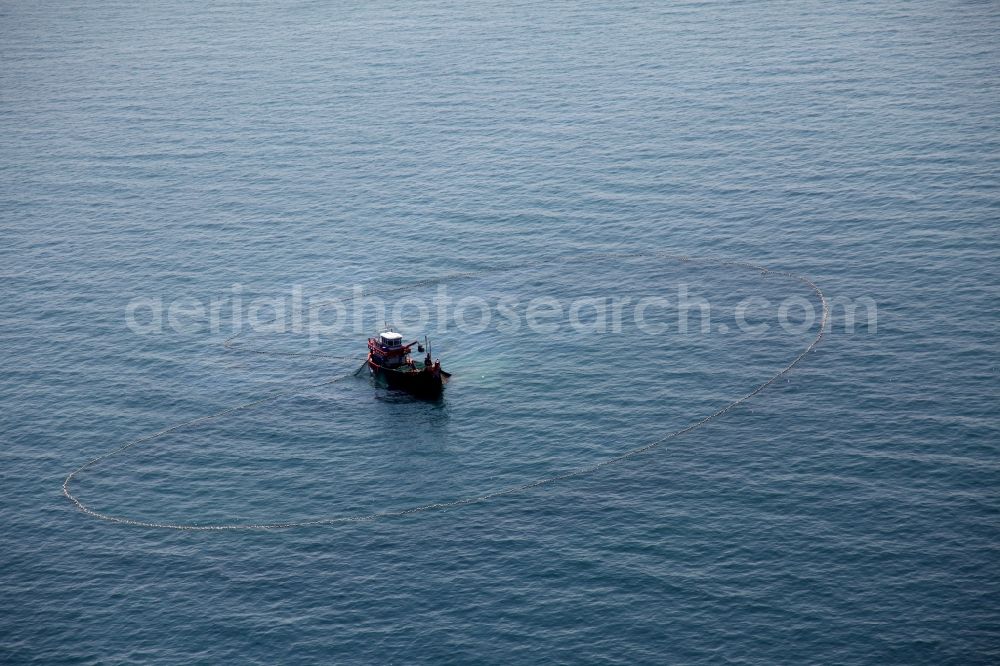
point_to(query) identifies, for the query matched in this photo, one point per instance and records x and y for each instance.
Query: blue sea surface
(187, 151)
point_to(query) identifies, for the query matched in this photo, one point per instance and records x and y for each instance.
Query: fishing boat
(389, 360)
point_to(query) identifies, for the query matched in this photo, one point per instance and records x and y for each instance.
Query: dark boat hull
(416, 382)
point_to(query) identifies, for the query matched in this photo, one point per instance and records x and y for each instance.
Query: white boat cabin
(390, 339)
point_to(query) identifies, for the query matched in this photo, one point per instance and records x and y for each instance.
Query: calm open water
(847, 514)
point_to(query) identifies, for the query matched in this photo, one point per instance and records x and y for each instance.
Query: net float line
(472, 499)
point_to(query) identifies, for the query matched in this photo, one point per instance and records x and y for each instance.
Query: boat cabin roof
(391, 337)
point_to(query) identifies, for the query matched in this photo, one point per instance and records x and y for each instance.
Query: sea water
(205, 159)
